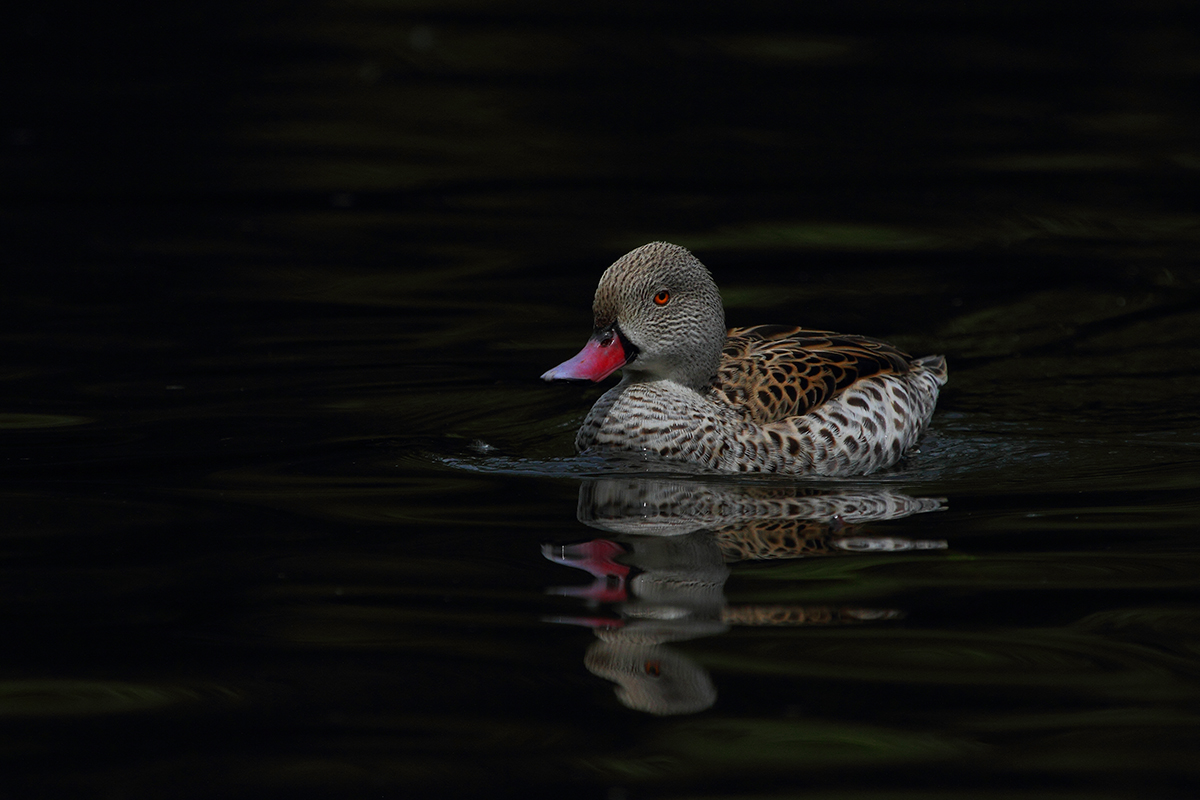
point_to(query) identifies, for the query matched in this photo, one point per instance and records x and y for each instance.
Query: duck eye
(662, 298)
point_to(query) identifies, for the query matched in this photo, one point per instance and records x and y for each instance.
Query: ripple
(79, 698)
(942, 455)
(10, 421)
(1044, 657)
(1061, 570)
(588, 465)
(571, 467)
(718, 745)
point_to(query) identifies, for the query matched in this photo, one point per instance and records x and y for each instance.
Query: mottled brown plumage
(762, 399)
(773, 371)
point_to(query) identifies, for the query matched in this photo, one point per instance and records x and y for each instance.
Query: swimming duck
(767, 398)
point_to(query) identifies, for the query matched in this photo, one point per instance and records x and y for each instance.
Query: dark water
(289, 513)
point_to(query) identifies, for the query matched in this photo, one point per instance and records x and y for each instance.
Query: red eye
(653, 668)
(662, 298)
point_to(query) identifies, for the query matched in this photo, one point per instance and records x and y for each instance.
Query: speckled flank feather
(781, 400)
(866, 426)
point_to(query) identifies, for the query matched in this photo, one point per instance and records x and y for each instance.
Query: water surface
(288, 510)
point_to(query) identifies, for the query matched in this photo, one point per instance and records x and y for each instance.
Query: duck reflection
(663, 572)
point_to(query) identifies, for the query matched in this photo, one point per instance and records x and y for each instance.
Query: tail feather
(935, 366)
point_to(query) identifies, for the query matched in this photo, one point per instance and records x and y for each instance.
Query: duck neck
(692, 375)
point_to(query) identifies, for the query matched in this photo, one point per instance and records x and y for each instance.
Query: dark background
(279, 279)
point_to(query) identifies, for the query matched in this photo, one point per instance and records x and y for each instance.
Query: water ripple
(78, 698)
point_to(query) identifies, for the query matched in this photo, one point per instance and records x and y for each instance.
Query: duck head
(657, 314)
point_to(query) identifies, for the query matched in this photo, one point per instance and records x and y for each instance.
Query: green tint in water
(289, 512)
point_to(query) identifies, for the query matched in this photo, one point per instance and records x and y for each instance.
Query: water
(288, 511)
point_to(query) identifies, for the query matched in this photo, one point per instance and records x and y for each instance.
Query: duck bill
(603, 355)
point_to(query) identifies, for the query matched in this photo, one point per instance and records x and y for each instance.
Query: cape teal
(768, 398)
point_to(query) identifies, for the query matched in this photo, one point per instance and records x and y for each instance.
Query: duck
(761, 399)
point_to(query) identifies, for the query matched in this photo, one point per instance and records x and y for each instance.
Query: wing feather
(770, 372)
